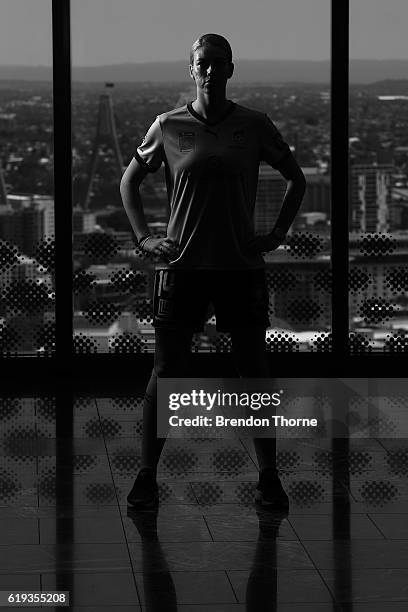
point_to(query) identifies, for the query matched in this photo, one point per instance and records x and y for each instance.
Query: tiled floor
(64, 523)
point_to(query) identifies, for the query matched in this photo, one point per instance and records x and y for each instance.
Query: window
(114, 103)
(27, 312)
(378, 201)
(390, 267)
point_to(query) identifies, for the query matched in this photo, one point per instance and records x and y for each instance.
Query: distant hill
(251, 71)
(395, 87)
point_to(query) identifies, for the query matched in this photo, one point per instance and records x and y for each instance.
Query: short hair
(211, 39)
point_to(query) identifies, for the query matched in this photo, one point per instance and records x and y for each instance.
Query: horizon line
(240, 59)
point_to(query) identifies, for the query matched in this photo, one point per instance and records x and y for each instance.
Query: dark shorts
(182, 298)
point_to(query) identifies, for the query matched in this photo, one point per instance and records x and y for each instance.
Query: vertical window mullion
(339, 174)
(61, 37)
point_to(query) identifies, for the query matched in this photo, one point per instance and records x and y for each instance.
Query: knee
(172, 353)
(169, 369)
(161, 370)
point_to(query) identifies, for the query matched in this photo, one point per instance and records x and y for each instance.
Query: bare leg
(248, 345)
(170, 361)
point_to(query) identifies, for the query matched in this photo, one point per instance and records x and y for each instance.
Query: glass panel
(378, 177)
(131, 64)
(27, 314)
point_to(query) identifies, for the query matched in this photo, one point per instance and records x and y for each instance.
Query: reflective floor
(67, 465)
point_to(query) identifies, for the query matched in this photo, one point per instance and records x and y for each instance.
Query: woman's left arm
(296, 186)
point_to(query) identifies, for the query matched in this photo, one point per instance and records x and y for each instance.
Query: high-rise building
(45, 206)
(272, 187)
(371, 197)
(26, 269)
(399, 209)
(83, 221)
(317, 194)
(26, 220)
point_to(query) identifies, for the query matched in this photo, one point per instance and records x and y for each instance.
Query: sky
(115, 31)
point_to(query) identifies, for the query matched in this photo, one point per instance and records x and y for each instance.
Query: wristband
(143, 241)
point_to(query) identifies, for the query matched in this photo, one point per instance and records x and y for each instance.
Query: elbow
(301, 177)
(300, 182)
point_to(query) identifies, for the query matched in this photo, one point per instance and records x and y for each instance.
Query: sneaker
(145, 491)
(270, 492)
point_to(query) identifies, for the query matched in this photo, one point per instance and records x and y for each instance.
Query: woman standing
(211, 149)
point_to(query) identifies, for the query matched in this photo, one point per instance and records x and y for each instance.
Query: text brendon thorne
(251, 421)
(217, 407)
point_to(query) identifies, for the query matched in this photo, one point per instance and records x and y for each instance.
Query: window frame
(88, 370)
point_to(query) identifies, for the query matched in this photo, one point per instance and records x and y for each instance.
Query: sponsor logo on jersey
(186, 141)
(238, 140)
(238, 136)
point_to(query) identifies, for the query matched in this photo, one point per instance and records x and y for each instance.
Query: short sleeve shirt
(212, 175)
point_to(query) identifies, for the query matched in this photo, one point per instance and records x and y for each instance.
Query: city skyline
(111, 278)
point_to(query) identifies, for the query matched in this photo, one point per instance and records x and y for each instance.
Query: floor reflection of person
(211, 149)
(159, 592)
(262, 587)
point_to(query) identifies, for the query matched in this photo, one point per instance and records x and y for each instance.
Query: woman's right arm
(132, 202)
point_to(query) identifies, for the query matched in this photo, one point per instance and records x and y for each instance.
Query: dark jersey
(211, 176)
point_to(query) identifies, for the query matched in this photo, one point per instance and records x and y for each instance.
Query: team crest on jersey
(238, 136)
(186, 141)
